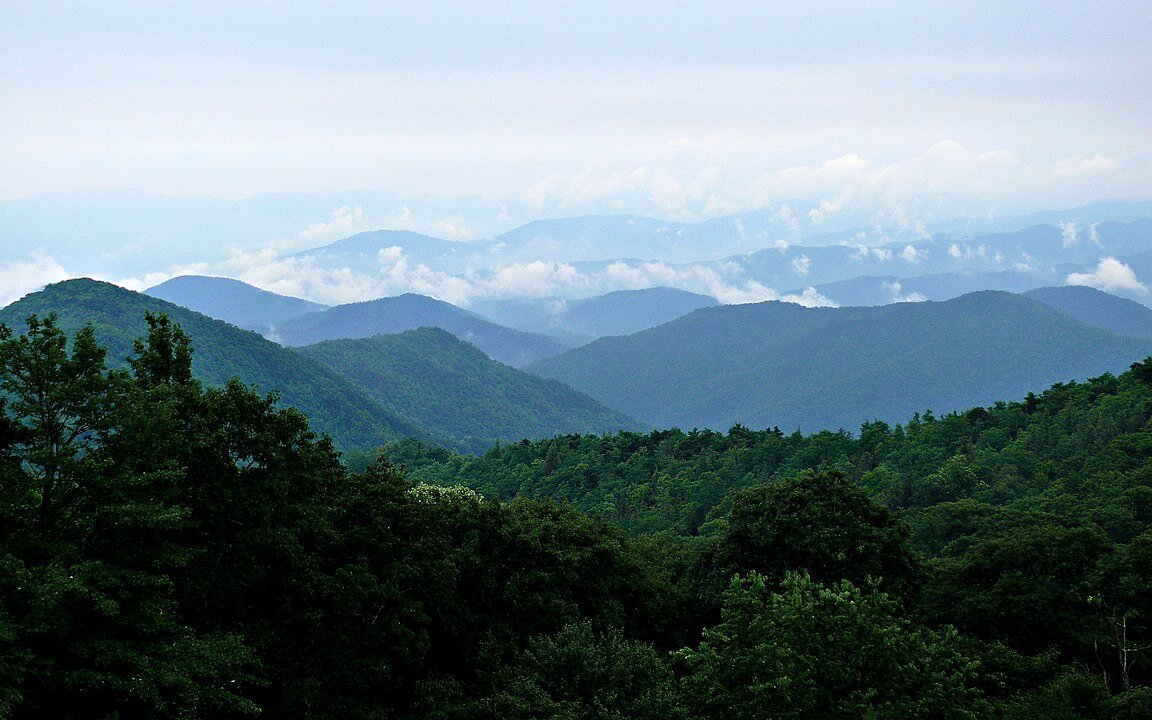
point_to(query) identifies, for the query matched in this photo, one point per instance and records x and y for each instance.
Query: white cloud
(20, 277)
(895, 288)
(809, 297)
(802, 265)
(826, 209)
(1110, 274)
(1094, 235)
(1095, 166)
(781, 246)
(534, 279)
(1069, 233)
(912, 254)
(390, 255)
(344, 218)
(788, 217)
(864, 252)
(452, 231)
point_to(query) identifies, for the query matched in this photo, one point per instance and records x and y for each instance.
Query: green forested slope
(1084, 443)
(777, 364)
(455, 391)
(333, 404)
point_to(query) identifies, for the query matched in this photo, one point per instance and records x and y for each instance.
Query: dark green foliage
(87, 598)
(819, 652)
(1030, 587)
(583, 674)
(452, 390)
(665, 480)
(820, 524)
(1033, 516)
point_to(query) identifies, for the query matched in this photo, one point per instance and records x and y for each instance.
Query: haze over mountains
(745, 258)
(777, 252)
(295, 322)
(622, 312)
(410, 311)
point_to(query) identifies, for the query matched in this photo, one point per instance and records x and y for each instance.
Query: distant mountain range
(786, 244)
(295, 322)
(1098, 309)
(849, 267)
(233, 301)
(568, 323)
(616, 313)
(1033, 257)
(779, 364)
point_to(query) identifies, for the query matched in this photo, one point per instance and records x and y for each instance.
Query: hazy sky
(684, 109)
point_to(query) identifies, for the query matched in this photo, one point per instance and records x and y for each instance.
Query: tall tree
(825, 652)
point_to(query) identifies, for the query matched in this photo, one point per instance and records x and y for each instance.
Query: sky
(680, 110)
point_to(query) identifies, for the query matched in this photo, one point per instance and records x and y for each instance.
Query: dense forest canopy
(174, 550)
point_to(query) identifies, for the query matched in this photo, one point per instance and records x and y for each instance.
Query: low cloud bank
(1110, 275)
(29, 274)
(395, 272)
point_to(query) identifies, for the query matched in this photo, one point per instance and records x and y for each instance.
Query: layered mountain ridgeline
(1023, 259)
(410, 311)
(454, 391)
(233, 301)
(333, 404)
(576, 322)
(779, 364)
(886, 289)
(363, 393)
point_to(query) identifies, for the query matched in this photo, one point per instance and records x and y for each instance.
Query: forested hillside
(333, 404)
(778, 364)
(452, 390)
